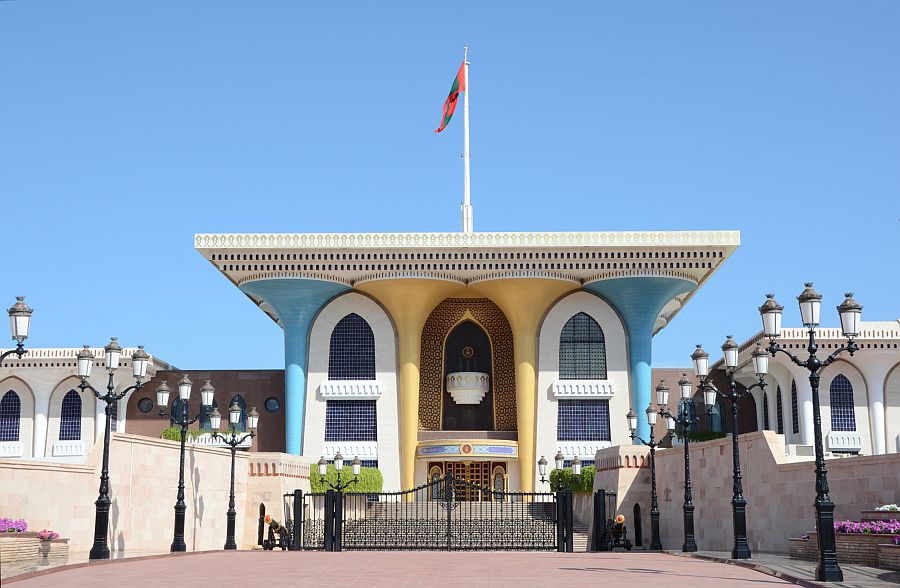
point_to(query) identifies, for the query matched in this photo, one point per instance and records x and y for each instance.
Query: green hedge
(698, 436)
(370, 479)
(174, 433)
(583, 483)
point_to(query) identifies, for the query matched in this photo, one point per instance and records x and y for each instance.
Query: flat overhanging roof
(580, 258)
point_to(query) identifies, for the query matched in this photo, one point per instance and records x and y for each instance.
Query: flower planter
(54, 552)
(852, 548)
(879, 515)
(889, 557)
(19, 553)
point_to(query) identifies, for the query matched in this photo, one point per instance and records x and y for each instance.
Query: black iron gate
(447, 513)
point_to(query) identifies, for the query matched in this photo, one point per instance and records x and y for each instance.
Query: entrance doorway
(486, 475)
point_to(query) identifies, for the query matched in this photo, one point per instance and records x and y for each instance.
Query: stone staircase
(580, 537)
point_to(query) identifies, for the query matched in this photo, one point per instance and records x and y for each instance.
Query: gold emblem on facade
(468, 352)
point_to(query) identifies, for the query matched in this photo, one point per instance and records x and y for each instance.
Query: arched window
(205, 424)
(842, 416)
(10, 414)
(795, 416)
(351, 355)
(242, 422)
(582, 350)
(717, 418)
(779, 412)
(766, 423)
(70, 417)
(687, 409)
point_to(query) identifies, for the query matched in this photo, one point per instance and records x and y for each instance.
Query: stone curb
(101, 562)
(763, 569)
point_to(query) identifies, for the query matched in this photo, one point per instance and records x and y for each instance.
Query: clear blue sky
(126, 127)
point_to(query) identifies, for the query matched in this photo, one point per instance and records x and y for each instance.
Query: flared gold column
(525, 302)
(409, 303)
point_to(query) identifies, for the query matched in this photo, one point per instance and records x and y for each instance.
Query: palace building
(466, 353)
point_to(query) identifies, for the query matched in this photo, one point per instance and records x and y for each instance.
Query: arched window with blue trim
(582, 349)
(10, 415)
(70, 417)
(842, 415)
(351, 354)
(242, 422)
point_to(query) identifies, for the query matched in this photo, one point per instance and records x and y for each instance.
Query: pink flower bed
(890, 527)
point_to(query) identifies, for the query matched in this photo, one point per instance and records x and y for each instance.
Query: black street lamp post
(233, 440)
(560, 461)
(339, 466)
(19, 323)
(655, 544)
(700, 358)
(183, 421)
(686, 419)
(139, 362)
(850, 313)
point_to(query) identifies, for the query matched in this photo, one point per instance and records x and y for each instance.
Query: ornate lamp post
(560, 461)
(139, 362)
(700, 358)
(339, 466)
(686, 418)
(850, 312)
(183, 421)
(19, 323)
(655, 544)
(232, 441)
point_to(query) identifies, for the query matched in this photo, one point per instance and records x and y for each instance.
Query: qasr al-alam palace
(466, 353)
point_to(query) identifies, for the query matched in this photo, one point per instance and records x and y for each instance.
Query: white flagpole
(467, 156)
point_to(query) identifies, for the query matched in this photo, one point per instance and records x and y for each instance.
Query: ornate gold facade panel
(431, 375)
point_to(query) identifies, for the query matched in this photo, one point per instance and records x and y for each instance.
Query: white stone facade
(41, 379)
(383, 389)
(873, 372)
(614, 389)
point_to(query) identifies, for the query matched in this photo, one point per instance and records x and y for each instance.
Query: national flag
(459, 85)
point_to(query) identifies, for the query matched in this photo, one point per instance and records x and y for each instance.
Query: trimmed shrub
(583, 483)
(370, 479)
(174, 433)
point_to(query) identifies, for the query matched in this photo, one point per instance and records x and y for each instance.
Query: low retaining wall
(852, 548)
(780, 489)
(143, 487)
(18, 553)
(889, 557)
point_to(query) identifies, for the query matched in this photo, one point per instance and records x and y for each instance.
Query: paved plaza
(399, 569)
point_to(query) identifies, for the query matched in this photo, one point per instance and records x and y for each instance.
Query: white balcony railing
(206, 440)
(11, 449)
(350, 390)
(583, 389)
(844, 441)
(68, 448)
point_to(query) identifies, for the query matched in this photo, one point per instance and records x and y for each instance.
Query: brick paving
(408, 569)
(803, 572)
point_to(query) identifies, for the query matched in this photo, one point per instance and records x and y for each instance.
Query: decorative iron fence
(445, 514)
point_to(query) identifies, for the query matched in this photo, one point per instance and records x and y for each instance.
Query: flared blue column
(639, 301)
(296, 302)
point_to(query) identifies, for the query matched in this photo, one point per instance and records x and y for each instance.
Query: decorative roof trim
(492, 240)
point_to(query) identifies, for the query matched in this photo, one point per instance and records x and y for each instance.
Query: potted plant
(53, 550)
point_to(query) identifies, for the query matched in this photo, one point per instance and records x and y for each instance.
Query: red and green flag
(459, 85)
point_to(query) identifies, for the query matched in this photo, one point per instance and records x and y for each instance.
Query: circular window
(145, 405)
(273, 404)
